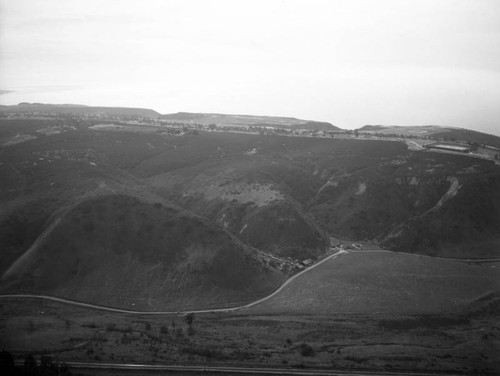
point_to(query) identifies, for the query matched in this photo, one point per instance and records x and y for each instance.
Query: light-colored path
(25, 258)
(231, 309)
(117, 310)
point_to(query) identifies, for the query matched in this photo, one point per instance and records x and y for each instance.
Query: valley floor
(464, 339)
(431, 343)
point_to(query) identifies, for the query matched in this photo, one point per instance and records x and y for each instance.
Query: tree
(29, 365)
(189, 318)
(46, 365)
(306, 350)
(6, 363)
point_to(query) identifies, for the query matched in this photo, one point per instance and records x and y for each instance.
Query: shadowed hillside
(119, 251)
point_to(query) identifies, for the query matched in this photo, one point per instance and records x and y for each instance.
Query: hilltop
(245, 121)
(434, 132)
(78, 109)
(120, 251)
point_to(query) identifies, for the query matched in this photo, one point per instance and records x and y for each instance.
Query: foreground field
(464, 343)
(359, 311)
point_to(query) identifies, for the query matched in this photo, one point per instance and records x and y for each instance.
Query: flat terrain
(367, 310)
(463, 343)
(384, 282)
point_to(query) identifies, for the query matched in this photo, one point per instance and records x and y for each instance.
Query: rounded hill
(120, 251)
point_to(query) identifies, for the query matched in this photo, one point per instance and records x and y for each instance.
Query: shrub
(306, 350)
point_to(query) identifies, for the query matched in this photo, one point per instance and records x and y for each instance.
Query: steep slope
(464, 223)
(120, 251)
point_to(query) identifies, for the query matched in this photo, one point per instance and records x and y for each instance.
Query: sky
(348, 62)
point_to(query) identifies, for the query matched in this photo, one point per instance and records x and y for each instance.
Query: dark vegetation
(151, 252)
(46, 366)
(141, 219)
(211, 209)
(462, 343)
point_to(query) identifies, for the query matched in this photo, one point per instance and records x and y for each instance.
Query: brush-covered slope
(120, 251)
(282, 195)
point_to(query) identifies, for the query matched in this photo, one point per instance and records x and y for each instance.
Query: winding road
(230, 309)
(132, 312)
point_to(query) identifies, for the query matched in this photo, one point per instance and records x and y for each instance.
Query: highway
(93, 368)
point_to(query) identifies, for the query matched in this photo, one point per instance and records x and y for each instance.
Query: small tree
(306, 350)
(189, 318)
(164, 330)
(29, 365)
(6, 363)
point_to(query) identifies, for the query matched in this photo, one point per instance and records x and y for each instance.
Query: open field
(384, 282)
(368, 310)
(457, 343)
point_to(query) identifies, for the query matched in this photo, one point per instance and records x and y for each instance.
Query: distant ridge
(230, 120)
(436, 132)
(79, 109)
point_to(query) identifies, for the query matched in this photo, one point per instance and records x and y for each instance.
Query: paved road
(93, 367)
(232, 309)
(118, 310)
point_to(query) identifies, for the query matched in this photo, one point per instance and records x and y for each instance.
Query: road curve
(231, 309)
(132, 312)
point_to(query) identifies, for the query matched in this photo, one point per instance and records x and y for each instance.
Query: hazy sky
(347, 62)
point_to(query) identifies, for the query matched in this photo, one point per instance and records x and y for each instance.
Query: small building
(307, 262)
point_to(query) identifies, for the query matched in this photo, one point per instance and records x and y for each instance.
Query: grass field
(461, 343)
(384, 282)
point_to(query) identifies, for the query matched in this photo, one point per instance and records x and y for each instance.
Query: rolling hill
(181, 215)
(435, 132)
(77, 109)
(224, 120)
(120, 251)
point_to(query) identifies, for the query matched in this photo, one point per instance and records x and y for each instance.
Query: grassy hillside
(465, 226)
(120, 251)
(223, 120)
(372, 282)
(435, 132)
(282, 195)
